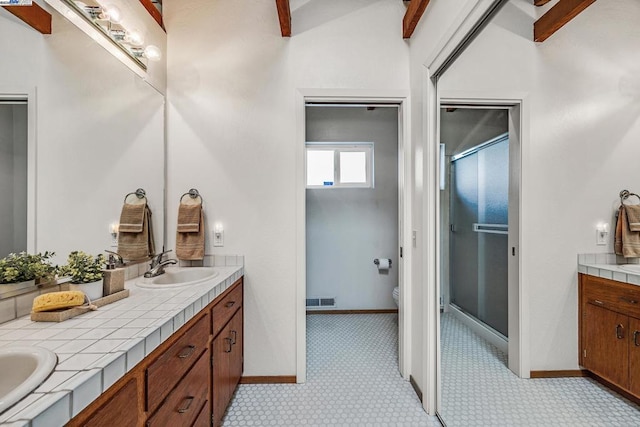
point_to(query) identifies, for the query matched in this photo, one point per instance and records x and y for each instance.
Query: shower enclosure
(478, 238)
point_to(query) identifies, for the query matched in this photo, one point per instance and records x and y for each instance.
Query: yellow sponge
(57, 300)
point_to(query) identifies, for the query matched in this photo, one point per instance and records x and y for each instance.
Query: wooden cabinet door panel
(237, 350)
(606, 344)
(121, 409)
(634, 356)
(222, 348)
(182, 406)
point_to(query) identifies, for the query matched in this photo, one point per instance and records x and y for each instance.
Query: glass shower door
(479, 231)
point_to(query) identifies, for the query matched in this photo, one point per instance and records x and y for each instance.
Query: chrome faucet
(156, 268)
(115, 259)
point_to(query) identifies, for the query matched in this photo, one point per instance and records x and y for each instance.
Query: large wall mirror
(78, 131)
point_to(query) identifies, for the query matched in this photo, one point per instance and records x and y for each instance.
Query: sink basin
(23, 370)
(632, 268)
(176, 277)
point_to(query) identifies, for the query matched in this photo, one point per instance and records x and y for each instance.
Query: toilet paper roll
(383, 263)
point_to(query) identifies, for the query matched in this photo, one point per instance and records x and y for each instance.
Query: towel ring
(193, 193)
(625, 194)
(139, 193)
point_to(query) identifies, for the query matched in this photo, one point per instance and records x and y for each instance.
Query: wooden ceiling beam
(412, 16)
(284, 14)
(34, 15)
(540, 2)
(153, 11)
(556, 17)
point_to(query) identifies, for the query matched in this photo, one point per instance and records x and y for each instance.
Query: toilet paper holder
(377, 262)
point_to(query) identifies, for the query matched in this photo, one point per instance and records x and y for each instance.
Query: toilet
(395, 293)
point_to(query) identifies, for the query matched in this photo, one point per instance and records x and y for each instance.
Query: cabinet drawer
(224, 310)
(164, 373)
(204, 417)
(182, 406)
(616, 296)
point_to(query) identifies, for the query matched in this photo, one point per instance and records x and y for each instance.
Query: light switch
(218, 236)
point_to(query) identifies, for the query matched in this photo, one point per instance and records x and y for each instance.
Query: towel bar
(625, 194)
(139, 193)
(193, 193)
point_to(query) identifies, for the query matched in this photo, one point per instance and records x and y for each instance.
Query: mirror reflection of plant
(83, 268)
(22, 267)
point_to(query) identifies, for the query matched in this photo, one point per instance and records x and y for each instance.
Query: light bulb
(134, 38)
(113, 13)
(152, 52)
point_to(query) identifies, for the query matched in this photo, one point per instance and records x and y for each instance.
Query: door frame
(29, 95)
(517, 105)
(405, 171)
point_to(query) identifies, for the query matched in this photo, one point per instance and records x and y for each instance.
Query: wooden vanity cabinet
(227, 351)
(182, 381)
(609, 325)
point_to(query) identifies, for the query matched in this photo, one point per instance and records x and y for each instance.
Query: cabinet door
(222, 348)
(606, 344)
(634, 356)
(236, 351)
(121, 409)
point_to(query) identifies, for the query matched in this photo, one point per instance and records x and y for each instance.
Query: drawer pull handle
(189, 351)
(636, 334)
(186, 404)
(629, 300)
(235, 337)
(230, 304)
(620, 331)
(228, 340)
(598, 302)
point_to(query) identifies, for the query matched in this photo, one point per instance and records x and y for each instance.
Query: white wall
(348, 228)
(233, 83)
(584, 99)
(99, 133)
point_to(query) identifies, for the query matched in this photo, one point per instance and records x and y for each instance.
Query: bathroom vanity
(160, 357)
(609, 326)
(192, 373)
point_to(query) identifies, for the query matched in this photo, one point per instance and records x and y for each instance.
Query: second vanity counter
(96, 349)
(604, 265)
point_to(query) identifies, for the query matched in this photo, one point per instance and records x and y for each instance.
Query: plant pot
(10, 287)
(93, 290)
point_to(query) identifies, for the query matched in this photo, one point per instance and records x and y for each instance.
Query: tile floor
(352, 380)
(479, 390)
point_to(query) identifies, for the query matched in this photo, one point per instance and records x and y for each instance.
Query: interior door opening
(353, 208)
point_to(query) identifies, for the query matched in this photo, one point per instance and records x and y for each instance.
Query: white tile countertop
(97, 348)
(606, 266)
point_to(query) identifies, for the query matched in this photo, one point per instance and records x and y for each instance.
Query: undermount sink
(23, 370)
(176, 277)
(633, 268)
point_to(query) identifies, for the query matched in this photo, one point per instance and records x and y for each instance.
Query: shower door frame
(517, 105)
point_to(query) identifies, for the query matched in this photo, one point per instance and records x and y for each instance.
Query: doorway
(13, 176)
(403, 170)
(479, 246)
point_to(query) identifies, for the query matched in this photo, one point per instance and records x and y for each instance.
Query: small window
(348, 165)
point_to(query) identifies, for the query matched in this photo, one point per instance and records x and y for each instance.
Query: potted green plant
(21, 270)
(85, 272)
